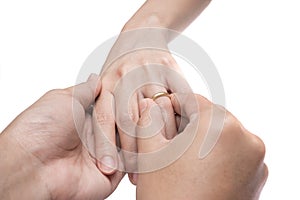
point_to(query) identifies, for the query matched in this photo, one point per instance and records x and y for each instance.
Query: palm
(70, 169)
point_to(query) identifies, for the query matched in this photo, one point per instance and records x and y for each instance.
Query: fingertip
(133, 177)
(107, 165)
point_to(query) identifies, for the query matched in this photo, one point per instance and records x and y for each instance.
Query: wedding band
(160, 94)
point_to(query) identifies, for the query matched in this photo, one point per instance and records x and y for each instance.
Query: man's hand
(234, 169)
(52, 140)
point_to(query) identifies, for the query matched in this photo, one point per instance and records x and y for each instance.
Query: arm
(171, 14)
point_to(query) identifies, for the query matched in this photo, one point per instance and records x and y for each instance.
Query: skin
(234, 169)
(42, 154)
(124, 58)
(45, 155)
(46, 152)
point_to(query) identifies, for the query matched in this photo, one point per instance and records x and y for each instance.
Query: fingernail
(135, 178)
(108, 164)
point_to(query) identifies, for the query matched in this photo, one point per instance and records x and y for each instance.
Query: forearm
(174, 15)
(19, 178)
(170, 14)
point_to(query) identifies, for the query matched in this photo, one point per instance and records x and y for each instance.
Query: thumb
(86, 92)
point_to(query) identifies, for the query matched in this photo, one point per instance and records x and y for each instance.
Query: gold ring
(160, 94)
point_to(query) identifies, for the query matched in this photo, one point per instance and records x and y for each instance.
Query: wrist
(19, 172)
(145, 20)
(147, 29)
(139, 37)
(159, 25)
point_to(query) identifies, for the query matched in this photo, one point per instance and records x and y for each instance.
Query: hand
(52, 137)
(130, 66)
(234, 169)
(133, 72)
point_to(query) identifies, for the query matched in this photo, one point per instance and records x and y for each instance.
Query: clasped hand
(52, 145)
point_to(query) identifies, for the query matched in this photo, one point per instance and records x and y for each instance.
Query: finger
(181, 123)
(168, 115)
(151, 140)
(133, 177)
(151, 127)
(104, 131)
(115, 178)
(86, 92)
(176, 82)
(126, 118)
(87, 136)
(186, 104)
(165, 106)
(212, 116)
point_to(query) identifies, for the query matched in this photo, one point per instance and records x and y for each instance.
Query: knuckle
(105, 118)
(167, 61)
(145, 62)
(133, 115)
(125, 123)
(258, 147)
(232, 128)
(105, 148)
(143, 122)
(234, 131)
(232, 123)
(122, 70)
(125, 118)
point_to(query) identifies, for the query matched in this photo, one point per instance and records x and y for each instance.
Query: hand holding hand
(138, 66)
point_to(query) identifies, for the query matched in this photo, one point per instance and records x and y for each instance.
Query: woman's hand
(138, 66)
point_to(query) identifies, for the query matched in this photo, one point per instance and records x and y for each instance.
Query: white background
(254, 44)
